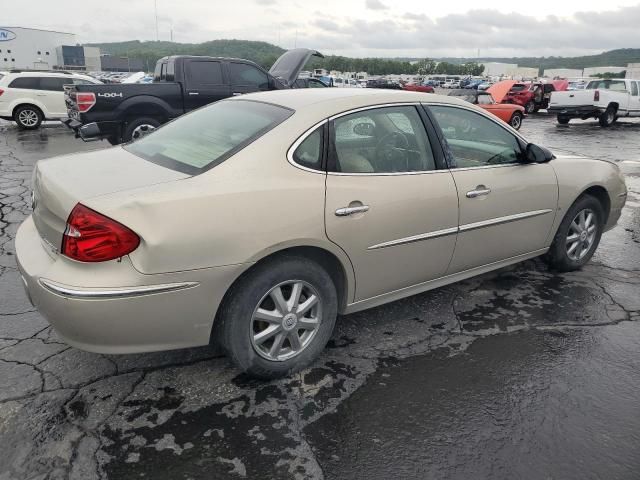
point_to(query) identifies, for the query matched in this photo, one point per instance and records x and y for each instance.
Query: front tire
(516, 120)
(28, 117)
(278, 318)
(578, 235)
(530, 107)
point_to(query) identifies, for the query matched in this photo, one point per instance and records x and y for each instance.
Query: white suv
(28, 97)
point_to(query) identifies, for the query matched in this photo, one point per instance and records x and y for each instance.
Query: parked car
(605, 100)
(182, 83)
(511, 114)
(451, 84)
(474, 84)
(28, 97)
(248, 223)
(414, 87)
(533, 96)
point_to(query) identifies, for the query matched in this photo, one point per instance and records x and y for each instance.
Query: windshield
(485, 99)
(617, 85)
(206, 137)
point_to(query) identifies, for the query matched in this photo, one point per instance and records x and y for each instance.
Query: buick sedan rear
(255, 221)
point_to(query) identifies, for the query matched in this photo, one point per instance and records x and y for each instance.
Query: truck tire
(608, 117)
(139, 127)
(563, 120)
(28, 117)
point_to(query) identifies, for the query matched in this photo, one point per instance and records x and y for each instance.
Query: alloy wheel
(286, 320)
(516, 121)
(28, 118)
(582, 234)
(142, 130)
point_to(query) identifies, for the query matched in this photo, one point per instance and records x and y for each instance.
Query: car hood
(290, 64)
(499, 90)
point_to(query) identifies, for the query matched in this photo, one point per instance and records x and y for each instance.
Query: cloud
(375, 5)
(494, 32)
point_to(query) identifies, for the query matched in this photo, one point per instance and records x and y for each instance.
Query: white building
(591, 71)
(562, 73)
(633, 71)
(30, 47)
(522, 73)
(497, 69)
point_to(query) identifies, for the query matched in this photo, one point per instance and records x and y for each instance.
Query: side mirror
(537, 154)
(364, 129)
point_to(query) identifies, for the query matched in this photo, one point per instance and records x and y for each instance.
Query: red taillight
(92, 237)
(1, 92)
(85, 101)
(596, 96)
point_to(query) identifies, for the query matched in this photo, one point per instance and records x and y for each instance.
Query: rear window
(617, 85)
(206, 137)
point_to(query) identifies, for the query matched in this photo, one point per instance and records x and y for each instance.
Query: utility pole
(155, 4)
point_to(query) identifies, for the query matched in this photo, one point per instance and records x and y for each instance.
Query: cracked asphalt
(522, 373)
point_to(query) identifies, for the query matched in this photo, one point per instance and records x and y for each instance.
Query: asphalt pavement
(523, 373)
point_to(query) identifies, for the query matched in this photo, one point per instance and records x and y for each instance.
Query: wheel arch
(333, 260)
(601, 194)
(615, 105)
(27, 104)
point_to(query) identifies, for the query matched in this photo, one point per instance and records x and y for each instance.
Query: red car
(533, 96)
(412, 87)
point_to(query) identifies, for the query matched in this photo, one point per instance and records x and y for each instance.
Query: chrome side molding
(109, 293)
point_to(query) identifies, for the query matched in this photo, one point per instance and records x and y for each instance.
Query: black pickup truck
(123, 112)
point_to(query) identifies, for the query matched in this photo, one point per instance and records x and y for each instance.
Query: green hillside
(265, 54)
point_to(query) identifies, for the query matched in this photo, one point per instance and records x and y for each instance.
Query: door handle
(479, 191)
(346, 211)
(235, 94)
(194, 93)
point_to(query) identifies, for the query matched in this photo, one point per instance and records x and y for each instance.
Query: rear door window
(31, 83)
(54, 84)
(243, 74)
(202, 74)
(634, 89)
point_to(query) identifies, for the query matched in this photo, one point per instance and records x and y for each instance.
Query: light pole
(155, 4)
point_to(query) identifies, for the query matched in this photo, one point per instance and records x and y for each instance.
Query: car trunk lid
(62, 182)
(290, 64)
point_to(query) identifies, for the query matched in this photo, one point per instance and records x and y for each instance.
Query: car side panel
(212, 219)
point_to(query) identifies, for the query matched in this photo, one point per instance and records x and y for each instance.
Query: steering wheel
(391, 153)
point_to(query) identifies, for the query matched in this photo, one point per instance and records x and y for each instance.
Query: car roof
(329, 101)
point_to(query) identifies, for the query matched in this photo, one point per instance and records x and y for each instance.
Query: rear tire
(253, 298)
(139, 127)
(563, 120)
(608, 117)
(28, 117)
(516, 120)
(571, 248)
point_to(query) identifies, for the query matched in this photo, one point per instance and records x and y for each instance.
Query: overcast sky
(415, 28)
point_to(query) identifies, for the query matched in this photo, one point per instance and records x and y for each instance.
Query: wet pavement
(522, 373)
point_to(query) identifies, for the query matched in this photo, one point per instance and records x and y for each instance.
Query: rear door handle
(235, 94)
(346, 211)
(479, 191)
(194, 93)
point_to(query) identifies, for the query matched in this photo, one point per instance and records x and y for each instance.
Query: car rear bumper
(117, 309)
(93, 131)
(581, 111)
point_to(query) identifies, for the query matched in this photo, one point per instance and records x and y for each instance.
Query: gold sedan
(256, 220)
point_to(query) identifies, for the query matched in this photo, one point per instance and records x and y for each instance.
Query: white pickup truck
(605, 100)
